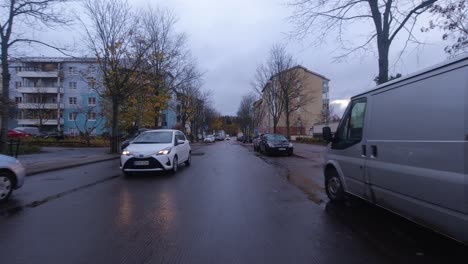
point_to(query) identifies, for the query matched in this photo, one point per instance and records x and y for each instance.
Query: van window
(351, 127)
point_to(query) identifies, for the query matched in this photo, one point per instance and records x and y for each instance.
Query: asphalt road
(230, 206)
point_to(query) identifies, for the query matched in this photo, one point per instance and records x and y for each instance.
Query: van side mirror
(327, 134)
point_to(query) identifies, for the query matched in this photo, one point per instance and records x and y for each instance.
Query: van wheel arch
(12, 174)
(333, 184)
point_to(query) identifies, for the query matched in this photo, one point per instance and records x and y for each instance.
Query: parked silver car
(11, 176)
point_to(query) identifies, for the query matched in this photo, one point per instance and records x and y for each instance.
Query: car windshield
(275, 137)
(153, 138)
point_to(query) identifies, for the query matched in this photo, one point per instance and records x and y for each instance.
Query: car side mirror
(327, 134)
(180, 142)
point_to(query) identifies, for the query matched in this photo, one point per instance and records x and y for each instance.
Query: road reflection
(395, 236)
(167, 211)
(125, 214)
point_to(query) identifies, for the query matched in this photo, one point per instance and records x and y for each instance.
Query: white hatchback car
(156, 150)
(11, 176)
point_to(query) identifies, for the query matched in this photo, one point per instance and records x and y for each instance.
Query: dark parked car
(126, 142)
(256, 142)
(275, 144)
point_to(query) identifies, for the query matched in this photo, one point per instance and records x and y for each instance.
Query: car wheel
(334, 187)
(189, 160)
(6, 185)
(175, 165)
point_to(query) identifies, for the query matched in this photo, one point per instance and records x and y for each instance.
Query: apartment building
(313, 85)
(56, 94)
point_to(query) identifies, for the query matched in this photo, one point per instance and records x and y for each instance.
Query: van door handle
(364, 151)
(374, 151)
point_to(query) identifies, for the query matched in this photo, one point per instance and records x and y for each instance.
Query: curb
(66, 165)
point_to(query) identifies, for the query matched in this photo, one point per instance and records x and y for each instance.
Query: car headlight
(126, 152)
(290, 145)
(164, 151)
(271, 145)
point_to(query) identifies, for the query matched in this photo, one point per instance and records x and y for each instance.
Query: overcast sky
(230, 38)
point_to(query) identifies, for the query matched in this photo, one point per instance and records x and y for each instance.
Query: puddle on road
(311, 189)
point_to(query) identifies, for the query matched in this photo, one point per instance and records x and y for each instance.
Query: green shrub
(306, 140)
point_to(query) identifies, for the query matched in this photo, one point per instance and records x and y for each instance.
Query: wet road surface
(230, 206)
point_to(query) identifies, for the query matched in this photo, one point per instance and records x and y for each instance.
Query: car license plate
(282, 148)
(141, 163)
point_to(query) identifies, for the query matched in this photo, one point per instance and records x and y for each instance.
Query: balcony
(33, 73)
(39, 106)
(34, 90)
(49, 122)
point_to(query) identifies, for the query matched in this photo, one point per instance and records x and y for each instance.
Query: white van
(404, 146)
(34, 131)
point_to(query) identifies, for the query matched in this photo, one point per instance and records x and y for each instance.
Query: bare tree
(87, 120)
(21, 14)
(270, 93)
(288, 77)
(43, 110)
(245, 113)
(453, 19)
(187, 103)
(279, 84)
(172, 65)
(113, 37)
(259, 113)
(389, 17)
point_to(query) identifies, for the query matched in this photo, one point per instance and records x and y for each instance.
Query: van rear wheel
(334, 187)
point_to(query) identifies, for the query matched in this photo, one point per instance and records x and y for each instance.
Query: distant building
(301, 121)
(169, 117)
(56, 94)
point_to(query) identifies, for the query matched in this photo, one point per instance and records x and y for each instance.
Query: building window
(72, 70)
(91, 100)
(72, 85)
(325, 87)
(72, 100)
(92, 116)
(325, 96)
(18, 100)
(18, 85)
(72, 116)
(19, 69)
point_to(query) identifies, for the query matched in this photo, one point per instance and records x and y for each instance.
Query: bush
(306, 140)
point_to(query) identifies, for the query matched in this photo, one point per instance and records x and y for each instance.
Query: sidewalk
(57, 158)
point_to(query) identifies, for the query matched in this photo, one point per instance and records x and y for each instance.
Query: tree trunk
(115, 128)
(383, 47)
(5, 100)
(288, 127)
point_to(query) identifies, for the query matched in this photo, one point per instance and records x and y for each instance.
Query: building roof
(302, 68)
(54, 59)
(309, 71)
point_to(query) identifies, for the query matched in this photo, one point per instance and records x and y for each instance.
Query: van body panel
(445, 221)
(415, 136)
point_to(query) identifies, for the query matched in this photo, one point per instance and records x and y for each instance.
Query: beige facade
(315, 88)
